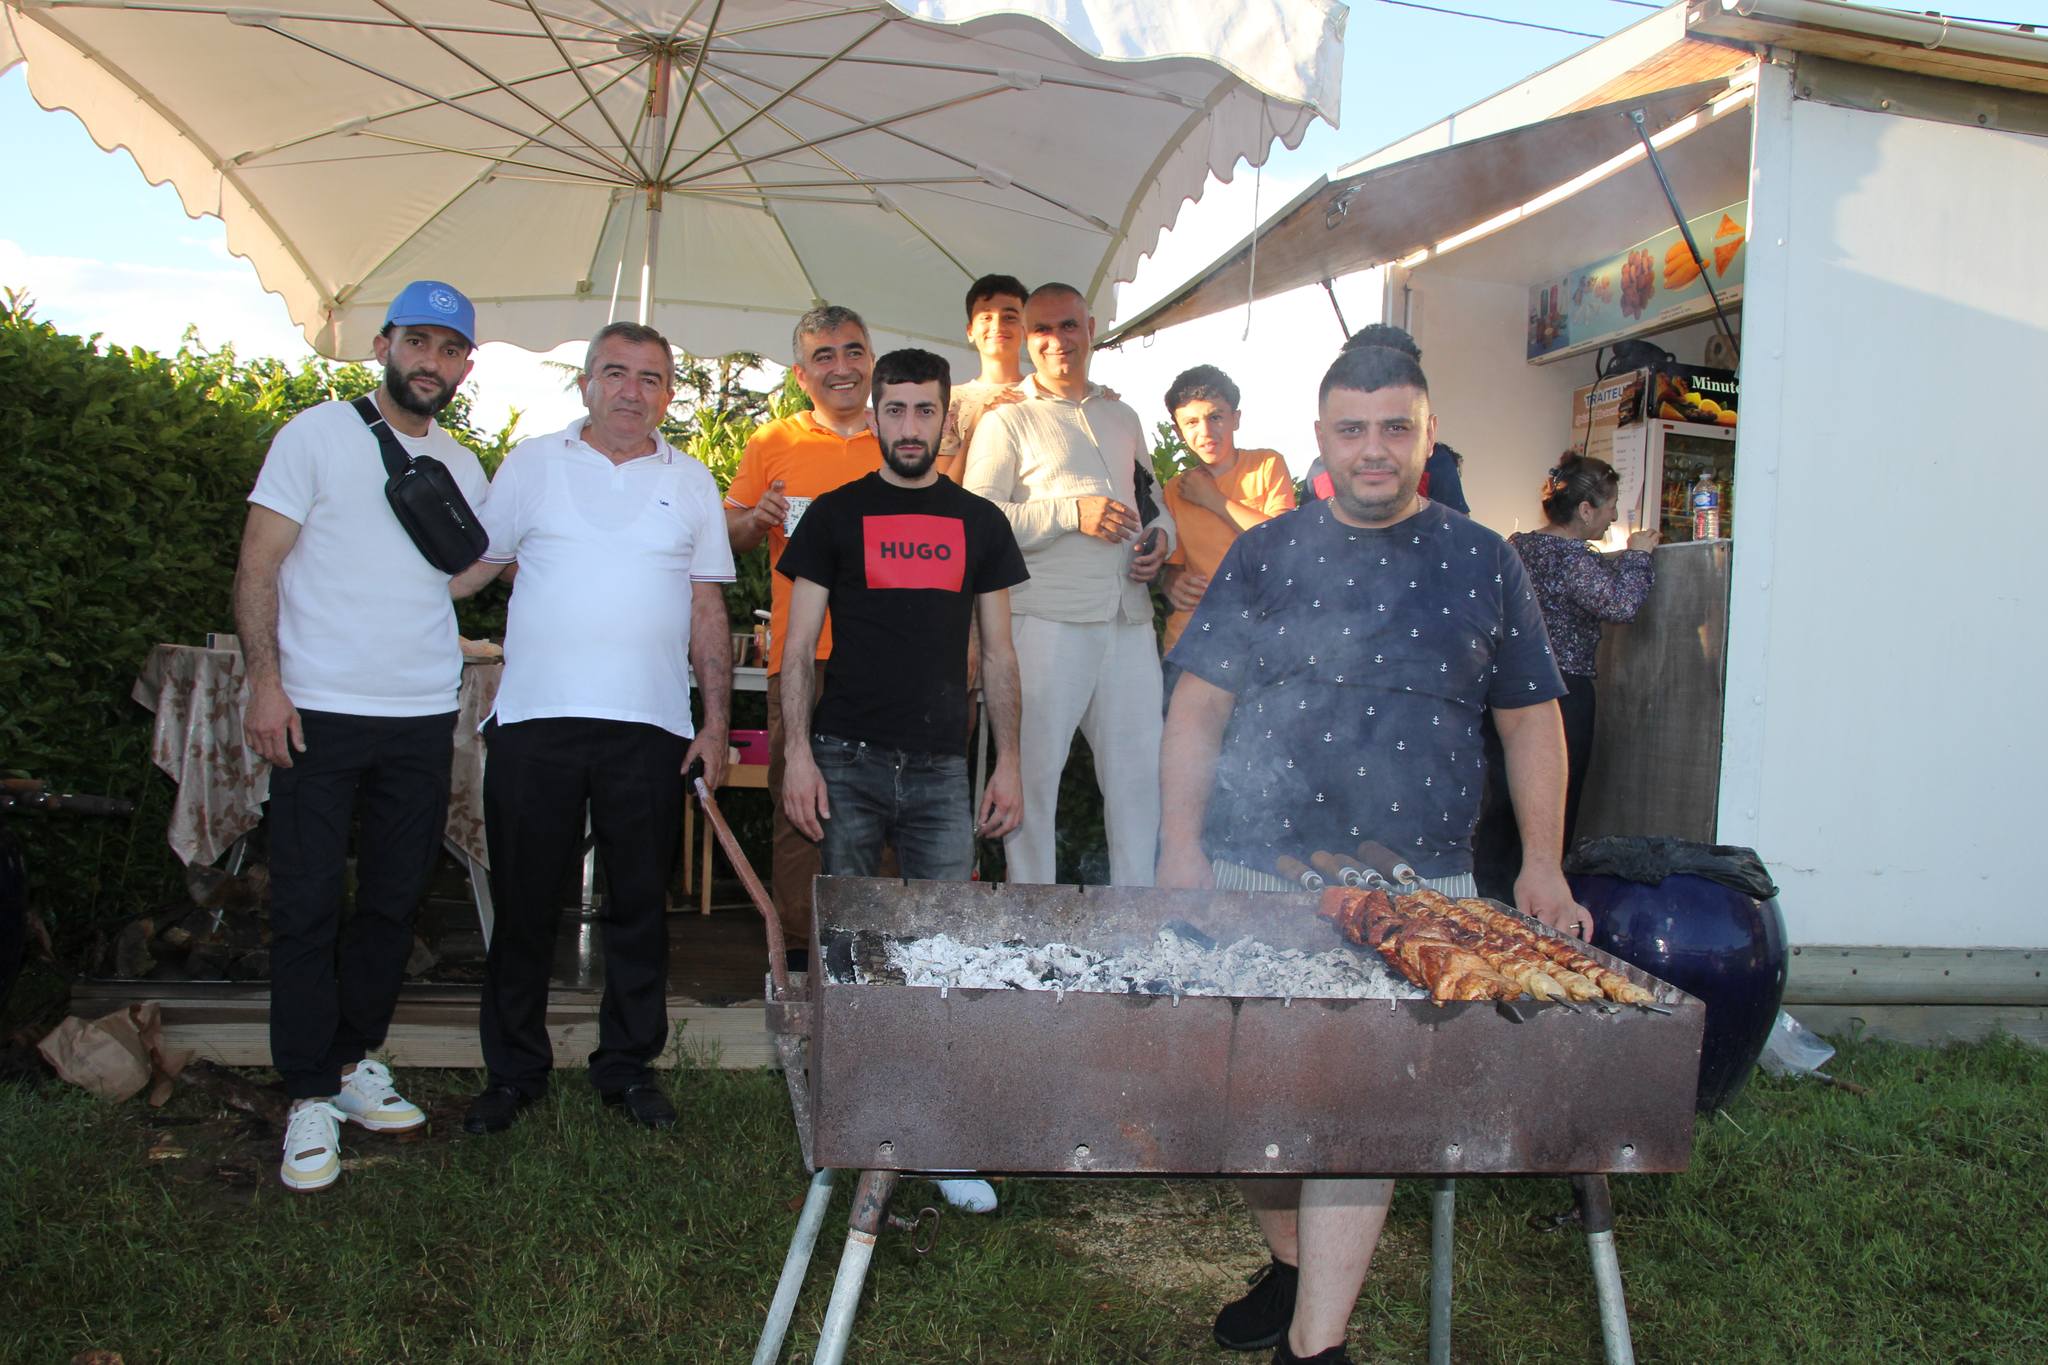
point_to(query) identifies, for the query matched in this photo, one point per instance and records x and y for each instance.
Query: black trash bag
(1650, 860)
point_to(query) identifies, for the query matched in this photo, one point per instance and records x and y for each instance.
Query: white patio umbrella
(724, 164)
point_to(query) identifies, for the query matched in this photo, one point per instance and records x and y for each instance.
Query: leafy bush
(126, 476)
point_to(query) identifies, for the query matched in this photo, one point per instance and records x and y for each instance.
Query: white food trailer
(1846, 685)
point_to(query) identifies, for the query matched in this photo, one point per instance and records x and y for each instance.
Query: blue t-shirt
(1362, 662)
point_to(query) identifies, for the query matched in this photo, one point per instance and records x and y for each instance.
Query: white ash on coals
(1172, 965)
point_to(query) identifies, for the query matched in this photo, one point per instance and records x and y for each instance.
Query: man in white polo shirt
(353, 666)
(622, 550)
(1063, 468)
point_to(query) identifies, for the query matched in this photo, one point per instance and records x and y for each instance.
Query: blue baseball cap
(430, 303)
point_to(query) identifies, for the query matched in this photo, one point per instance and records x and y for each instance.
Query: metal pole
(1331, 290)
(650, 249)
(1635, 117)
(1596, 1210)
(1443, 1202)
(783, 1306)
(870, 1207)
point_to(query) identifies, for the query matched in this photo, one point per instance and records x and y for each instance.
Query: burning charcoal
(1182, 929)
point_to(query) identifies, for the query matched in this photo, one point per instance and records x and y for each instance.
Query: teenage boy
(1229, 492)
(904, 560)
(995, 327)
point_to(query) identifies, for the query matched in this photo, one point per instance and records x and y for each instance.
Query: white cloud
(151, 306)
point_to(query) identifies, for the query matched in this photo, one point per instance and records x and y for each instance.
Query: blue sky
(103, 251)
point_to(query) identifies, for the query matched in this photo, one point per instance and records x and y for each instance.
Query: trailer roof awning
(1336, 227)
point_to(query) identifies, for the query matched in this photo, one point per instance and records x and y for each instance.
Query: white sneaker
(312, 1146)
(368, 1097)
(969, 1196)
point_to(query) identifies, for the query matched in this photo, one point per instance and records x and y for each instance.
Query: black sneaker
(1335, 1355)
(1261, 1318)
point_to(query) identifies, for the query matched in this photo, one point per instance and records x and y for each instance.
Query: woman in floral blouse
(1577, 589)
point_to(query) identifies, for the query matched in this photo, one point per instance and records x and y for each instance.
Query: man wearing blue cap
(353, 663)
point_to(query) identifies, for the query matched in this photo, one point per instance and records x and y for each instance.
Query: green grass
(1815, 1225)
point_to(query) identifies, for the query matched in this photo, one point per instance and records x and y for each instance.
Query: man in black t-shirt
(905, 560)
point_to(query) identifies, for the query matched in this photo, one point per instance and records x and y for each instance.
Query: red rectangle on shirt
(913, 550)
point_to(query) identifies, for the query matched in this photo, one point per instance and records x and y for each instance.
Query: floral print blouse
(1578, 589)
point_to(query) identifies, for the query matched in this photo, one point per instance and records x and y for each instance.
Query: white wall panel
(1884, 750)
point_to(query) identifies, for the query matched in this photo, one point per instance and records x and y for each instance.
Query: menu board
(1653, 284)
(1607, 424)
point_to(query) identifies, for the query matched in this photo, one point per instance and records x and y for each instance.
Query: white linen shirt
(599, 625)
(1036, 460)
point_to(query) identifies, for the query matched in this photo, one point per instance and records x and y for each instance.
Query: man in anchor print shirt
(1336, 673)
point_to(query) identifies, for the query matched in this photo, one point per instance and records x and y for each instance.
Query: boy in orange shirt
(1230, 491)
(788, 463)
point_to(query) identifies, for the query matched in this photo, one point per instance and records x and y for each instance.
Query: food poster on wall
(1653, 284)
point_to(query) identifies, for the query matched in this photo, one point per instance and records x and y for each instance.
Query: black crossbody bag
(426, 499)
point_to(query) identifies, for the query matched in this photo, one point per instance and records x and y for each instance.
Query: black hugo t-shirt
(903, 566)
(1362, 662)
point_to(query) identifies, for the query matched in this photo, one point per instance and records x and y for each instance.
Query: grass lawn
(1815, 1225)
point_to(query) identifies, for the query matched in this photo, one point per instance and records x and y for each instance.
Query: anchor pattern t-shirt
(903, 566)
(1362, 662)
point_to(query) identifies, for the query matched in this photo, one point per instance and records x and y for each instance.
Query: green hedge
(126, 475)
(123, 504)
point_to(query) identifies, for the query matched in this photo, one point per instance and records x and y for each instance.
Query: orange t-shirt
(810, 459)
(1260, 481)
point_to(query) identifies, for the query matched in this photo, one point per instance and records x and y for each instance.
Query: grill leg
(1596, 1209)
(1443, 1201)
(793, 1267)
(870, 1207)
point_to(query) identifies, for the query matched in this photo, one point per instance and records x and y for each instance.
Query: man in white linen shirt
(621, 550)
(1063, 468)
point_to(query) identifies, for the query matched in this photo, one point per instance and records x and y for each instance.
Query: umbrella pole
(657, 128)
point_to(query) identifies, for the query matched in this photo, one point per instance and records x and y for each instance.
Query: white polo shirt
(364, 623)
(599, 625)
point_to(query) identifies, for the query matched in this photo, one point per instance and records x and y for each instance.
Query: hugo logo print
(912, 550)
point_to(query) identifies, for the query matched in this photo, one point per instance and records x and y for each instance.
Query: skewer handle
(778, 963)
(1336, 869)
(1295, 870)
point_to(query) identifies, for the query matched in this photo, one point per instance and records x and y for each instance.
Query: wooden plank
(432, 1025)
(1837, 974)
(735, 1037)
(1927, 1025)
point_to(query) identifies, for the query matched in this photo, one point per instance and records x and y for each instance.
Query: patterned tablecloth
(198, 695)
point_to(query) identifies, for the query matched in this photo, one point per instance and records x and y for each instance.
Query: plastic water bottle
(1706, 508)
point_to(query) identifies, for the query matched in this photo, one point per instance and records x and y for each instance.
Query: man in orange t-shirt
(788, 463)
(1229, 492)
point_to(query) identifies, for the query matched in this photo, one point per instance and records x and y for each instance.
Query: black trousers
(334, 981)
(1496, 840)
(538, 778)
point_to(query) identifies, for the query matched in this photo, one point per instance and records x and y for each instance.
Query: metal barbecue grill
(887, 1078)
